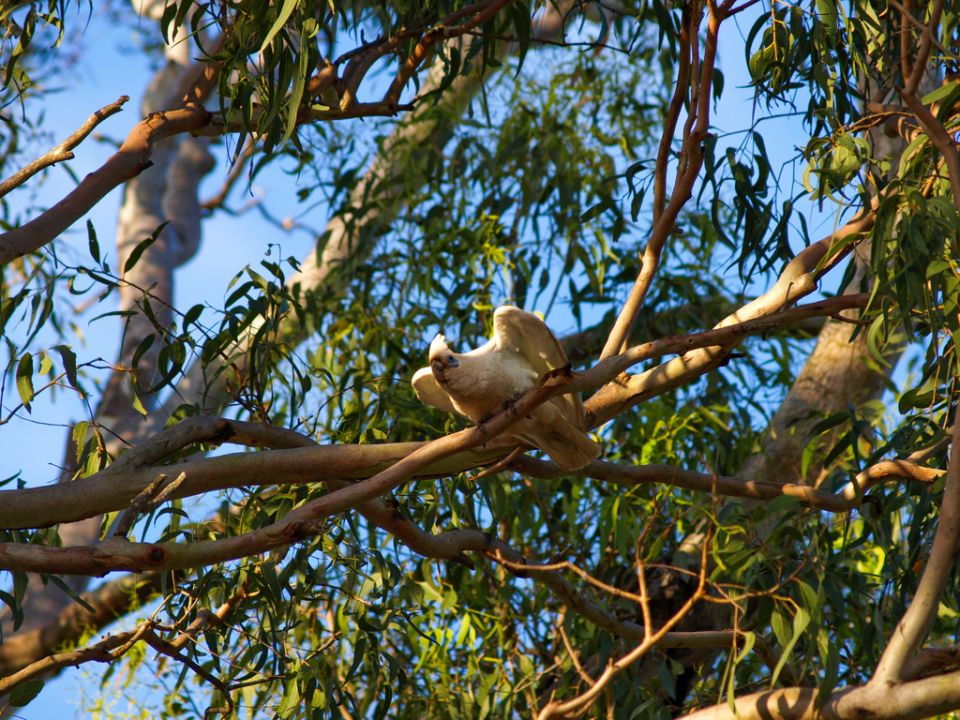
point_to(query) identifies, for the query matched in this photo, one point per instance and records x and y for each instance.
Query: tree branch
(110, 601)
(574, 707)
(690, 163)
(916, 621)
(581, 604)
(799, 278)
(907, 701)
(63, 151)
(303, 522)
(129, 161)
(848, 498)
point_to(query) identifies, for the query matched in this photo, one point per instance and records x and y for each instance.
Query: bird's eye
(449, 358)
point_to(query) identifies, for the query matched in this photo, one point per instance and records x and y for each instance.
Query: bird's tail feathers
(568, 446)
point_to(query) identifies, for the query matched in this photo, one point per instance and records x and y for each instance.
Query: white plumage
(479, 383)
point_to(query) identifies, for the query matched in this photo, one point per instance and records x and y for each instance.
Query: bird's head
(441, 357)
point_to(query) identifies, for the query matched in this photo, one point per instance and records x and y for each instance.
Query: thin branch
(916, 621)
(63, 151)
(924, 29)
(688, 169)
(171, 651)
(236, 172)
(848, 498)
(584, 700)
(573, 655)
(923, 52)
(106, 650)
(129, 161)
(941, 140)
(482, 12)
(154, 495)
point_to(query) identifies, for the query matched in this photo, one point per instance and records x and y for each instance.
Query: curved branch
(849, 497)
(916, 621)
(63, 151)
(130, 160)
(691, 161)
(799, 278)
(907, 701)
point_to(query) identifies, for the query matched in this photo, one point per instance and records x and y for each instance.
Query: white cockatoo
(481, 382)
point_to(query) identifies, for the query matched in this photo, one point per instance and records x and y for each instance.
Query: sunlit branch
(301, 523)
(918, 699)
(107, 650)
(916, 621)
(63, 151)
(798, 279)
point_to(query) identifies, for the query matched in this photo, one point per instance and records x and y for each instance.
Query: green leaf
(800, 622)
(25, 379)
(25, 692)
(285, 12)
(142, 246)
(69, 359)
(92, 242)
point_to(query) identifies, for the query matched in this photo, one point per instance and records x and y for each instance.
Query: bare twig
(63, 151)
(578, 704)
(156, 493)
(581, 604)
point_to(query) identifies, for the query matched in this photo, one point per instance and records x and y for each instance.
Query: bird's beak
(438, 366)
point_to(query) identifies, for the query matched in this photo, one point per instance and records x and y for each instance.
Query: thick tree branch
(916, 621)
(907, 701)
(303, 522)
(130, 160)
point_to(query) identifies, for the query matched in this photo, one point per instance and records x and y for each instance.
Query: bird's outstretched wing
(427, 388)
(516, 330)
(522, 332)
